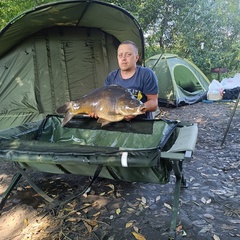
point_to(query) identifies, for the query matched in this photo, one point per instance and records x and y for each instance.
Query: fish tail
(63, 109)
(69, 115)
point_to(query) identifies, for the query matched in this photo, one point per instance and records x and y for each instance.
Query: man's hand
(128, 118)
(93, 115)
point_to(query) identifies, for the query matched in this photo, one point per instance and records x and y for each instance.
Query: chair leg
(180, 181)
(13, 183)
(15, 180)
(184, 183)
(33, 185)
(172, 232)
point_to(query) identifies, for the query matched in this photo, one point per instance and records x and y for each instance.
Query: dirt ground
(115, 210)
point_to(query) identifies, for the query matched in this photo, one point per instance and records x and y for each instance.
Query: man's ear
(137, 57)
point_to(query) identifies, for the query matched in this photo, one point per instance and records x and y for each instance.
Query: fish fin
(63, 109)
(69, 115)
(103, 121)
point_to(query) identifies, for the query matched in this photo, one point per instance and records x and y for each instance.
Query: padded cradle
(136, 151)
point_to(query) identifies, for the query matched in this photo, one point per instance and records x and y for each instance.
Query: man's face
(127, 57)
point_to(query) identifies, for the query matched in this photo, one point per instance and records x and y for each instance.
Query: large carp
(110, 103)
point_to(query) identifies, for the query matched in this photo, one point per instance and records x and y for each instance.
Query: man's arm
(152, 102)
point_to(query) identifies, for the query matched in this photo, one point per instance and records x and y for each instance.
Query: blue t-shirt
(144, 81)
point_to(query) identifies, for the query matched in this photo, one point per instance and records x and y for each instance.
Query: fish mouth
(140, 110)
(143, 109)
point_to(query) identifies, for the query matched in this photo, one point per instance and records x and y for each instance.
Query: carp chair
(138, 151)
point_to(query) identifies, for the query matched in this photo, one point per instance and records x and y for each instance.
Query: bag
(230, 94)
(215, 90)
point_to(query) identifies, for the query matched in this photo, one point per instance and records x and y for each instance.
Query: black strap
(95, 176)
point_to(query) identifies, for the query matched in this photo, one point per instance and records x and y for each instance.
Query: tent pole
(162, 47)
(230, 120)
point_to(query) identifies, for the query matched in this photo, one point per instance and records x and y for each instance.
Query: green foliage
(175, 26)
(10, 10)
(183, 26)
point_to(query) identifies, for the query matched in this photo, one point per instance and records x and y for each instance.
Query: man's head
(127, 55)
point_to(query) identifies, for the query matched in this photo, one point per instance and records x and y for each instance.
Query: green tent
(57, 52)
(180, 82)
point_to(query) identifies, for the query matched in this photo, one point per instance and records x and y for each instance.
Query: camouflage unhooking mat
(136, 151)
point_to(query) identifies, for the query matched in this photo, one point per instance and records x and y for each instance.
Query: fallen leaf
(138, 236)
(227, 227)
(111, 186)
(72, 205)
(130, 210)
(220, 192)
(208, 216)
(89, 228)
(158, 198)
(118, 194)
(167, 206)
(118, 211)
(128, 225)
(71, 219)
(235, 221)
(96, 214)
(184, 234)
(144, 200)
(215, 237)
(208, 201)
(42, 205)
(87, 204)
(95, 204)
(140, 206)
(92, 223)
(103, 193)
(68, 209)
(26, 221)
(135, 229)
(179, 228)
(205, 201)
(133, 205)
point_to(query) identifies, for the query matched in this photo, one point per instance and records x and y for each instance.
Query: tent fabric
(90, 14)
(180, 82)
(59, 52)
